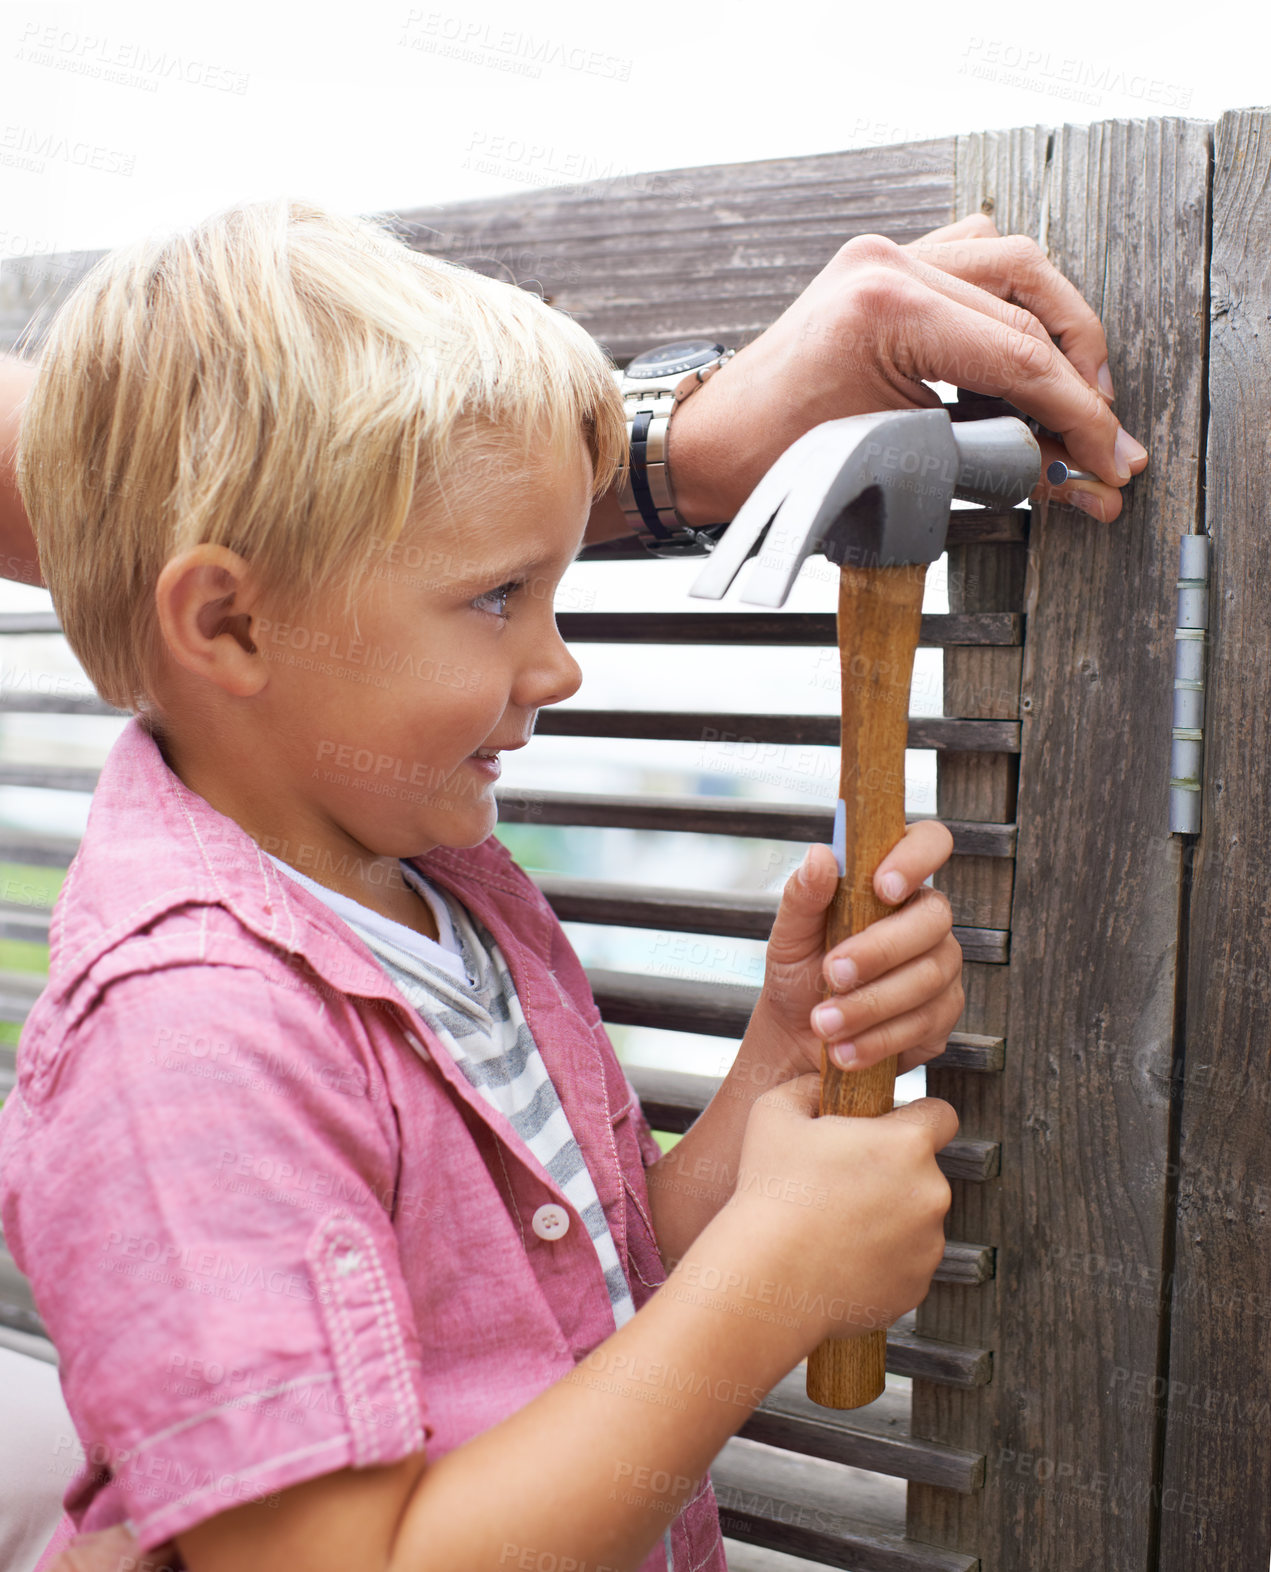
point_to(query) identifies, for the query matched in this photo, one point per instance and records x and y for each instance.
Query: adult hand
(962, 305)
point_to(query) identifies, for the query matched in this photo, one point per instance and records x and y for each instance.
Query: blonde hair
(287, 382)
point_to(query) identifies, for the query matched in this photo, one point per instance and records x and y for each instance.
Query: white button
(550, 1221)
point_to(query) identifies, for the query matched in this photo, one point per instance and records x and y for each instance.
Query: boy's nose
(553, 674)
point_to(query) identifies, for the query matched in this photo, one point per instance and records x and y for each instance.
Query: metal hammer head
(872, 491)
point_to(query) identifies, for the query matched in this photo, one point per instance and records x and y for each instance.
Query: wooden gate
(1087, 1384)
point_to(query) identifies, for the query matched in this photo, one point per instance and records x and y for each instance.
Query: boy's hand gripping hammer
(872, 493)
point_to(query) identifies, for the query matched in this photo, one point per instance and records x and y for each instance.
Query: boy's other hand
(896, 985)
(807, 1184)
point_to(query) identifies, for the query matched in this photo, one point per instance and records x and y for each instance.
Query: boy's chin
(467, 825)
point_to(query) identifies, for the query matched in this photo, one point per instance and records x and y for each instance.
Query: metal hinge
(1187, 749)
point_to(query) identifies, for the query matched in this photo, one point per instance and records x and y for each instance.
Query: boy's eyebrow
(496, 570)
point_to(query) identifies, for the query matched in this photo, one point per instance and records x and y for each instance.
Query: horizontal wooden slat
(820, 1510)
(672, 1100)
(698, 815)
(727, 913)
(36, 850)
(54, 777)
(967, 527)
(722, 816)
(969, 1264)
(876, 1437)
(929, 1359)
(29, 622)
(70, 701)
(957, 736)
(28, 924)
(787, 629)
(721, 250)
(818, 731)
(18, 992)
(720, 1010)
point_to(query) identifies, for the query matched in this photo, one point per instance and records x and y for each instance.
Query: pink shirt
(271, 1227)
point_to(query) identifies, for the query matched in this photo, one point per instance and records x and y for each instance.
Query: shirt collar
(152, 845)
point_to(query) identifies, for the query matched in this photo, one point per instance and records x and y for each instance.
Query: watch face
(669, 360)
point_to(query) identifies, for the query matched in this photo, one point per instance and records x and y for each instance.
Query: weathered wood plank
(728, 913)
(720, 816)
(967, 526)
(808, 1507)
(1215, 1391)
(875, 1437)
(721, 250)
(786, 629)
(816, 731)
(672, 1100)
(1095, 931)
(722, 1009)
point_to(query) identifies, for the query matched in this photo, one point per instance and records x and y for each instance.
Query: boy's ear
(206, 600)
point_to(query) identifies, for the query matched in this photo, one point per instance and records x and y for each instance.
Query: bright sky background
(384, 104)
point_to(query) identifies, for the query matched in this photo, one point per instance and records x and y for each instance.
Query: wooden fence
(1089, 1378)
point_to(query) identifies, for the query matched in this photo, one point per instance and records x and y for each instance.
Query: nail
(1104, 379)
(893, 886)
(843, 974)
(1126, 452)
(827, 1019)
(844, 1055)
(1087, 502)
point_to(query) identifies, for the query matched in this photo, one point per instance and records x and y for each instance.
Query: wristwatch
(653, 387)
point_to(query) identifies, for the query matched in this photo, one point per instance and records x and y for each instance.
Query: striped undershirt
(463, 989)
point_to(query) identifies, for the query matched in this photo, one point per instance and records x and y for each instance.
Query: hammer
(871, 493)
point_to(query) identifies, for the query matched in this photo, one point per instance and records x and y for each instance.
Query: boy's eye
(495, 600)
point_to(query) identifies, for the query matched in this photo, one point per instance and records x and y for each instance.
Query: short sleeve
(203, 1207)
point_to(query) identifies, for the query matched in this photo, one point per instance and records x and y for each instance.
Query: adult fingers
(940, 339)
(1016, 269)
(1099, 500)
(975, 226)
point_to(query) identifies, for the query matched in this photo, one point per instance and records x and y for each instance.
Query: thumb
(933, 1114)
(798, 933)
(799, 1097)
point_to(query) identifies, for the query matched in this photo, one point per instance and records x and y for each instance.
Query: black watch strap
(639, 478)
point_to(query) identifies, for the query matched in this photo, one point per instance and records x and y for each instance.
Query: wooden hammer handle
(880, 613)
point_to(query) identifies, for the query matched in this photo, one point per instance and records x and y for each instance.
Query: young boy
(330, 1187)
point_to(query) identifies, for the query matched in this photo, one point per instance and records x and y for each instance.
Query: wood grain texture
(1216, 1390)
(719, 251)
(879, 613)
(1095, 932)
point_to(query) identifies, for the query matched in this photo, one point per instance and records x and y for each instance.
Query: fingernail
(844, 1055)
(805, 867)
(843, 974)
(1087, 502)
(1126, 452)
(893, 886)
(1104, 379)
(827, 1019)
